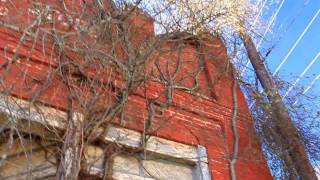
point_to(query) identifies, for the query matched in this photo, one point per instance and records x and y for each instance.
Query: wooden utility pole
(288, 139)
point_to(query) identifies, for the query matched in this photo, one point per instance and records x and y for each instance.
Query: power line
(296, 43)
(270, 23)
(273, 18)
(311, 84)
(309, 87)
(264, 2)
(289, 53)
(256, 19)
(259, 14)
(302, 74)
(299, 78)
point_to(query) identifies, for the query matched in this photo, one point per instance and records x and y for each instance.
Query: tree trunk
(69, 166)
(294, 154)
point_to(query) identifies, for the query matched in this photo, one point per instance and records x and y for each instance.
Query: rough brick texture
(191, 119)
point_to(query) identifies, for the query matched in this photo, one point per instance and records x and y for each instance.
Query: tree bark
(294, 154)
(70, 161)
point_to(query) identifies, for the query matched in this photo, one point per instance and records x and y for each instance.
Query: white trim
(16, 108)
(202, 171)
(155, 144)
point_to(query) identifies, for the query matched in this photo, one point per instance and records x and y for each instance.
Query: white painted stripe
(302, 74)
(309, 87)
(296, 43)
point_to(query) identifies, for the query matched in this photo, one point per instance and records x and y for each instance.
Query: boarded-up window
(130, 167)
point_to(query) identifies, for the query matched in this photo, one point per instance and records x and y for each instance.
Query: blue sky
(291, 21)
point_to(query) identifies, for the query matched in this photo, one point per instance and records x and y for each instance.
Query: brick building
(186, 82)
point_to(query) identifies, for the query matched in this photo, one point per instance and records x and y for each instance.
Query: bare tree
(98, 56)
(94, 55)
(238, 18)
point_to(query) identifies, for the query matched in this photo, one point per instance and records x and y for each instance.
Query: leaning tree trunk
(294, 154)
(70, 158)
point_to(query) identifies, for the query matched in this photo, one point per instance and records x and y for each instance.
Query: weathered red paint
(191, 120)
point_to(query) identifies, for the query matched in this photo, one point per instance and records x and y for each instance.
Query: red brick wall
(190, 119)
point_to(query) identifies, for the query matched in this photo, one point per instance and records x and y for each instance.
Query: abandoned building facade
(133, 104)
